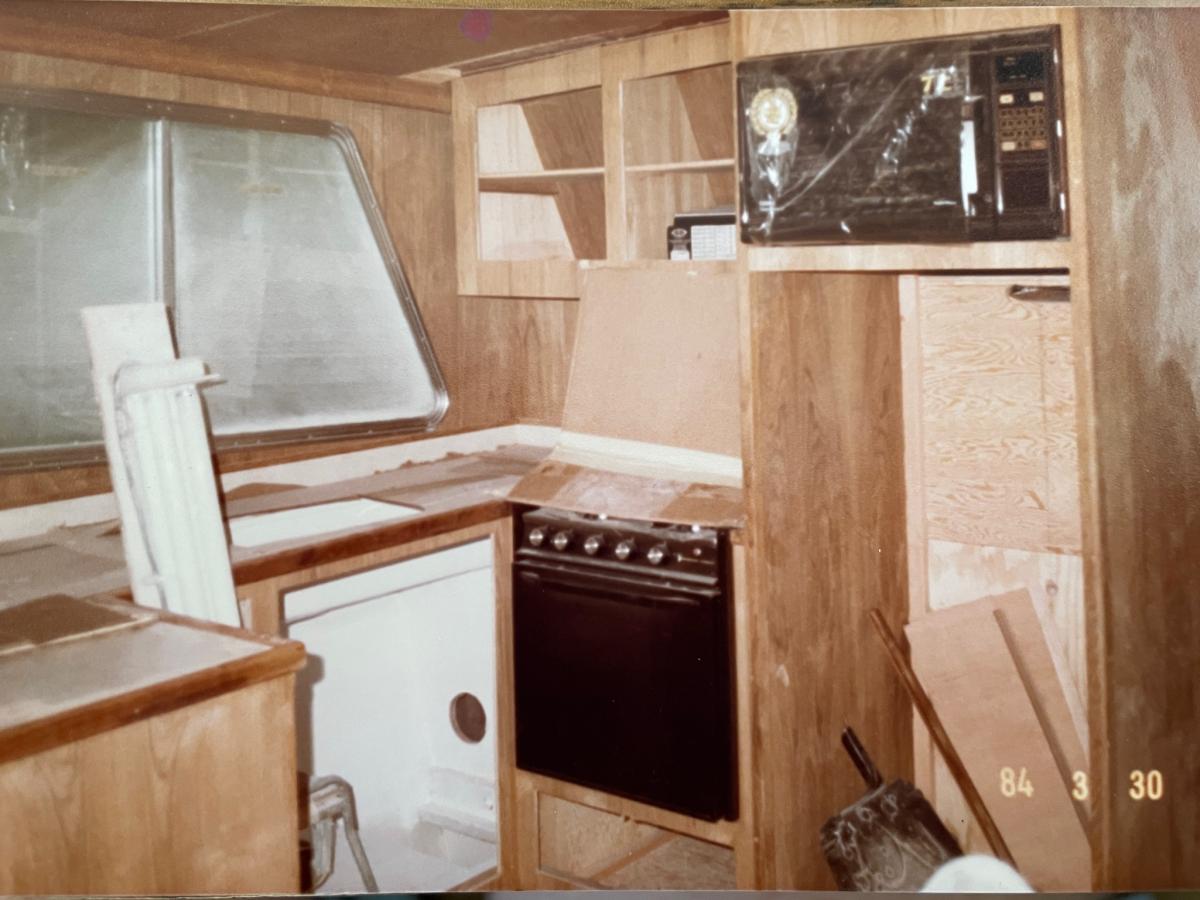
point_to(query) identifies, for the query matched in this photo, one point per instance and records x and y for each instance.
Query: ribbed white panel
(159, 457)
(165, 448)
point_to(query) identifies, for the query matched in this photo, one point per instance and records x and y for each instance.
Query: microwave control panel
(1023, 104)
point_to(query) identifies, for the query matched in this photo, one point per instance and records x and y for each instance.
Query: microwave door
(878, 151)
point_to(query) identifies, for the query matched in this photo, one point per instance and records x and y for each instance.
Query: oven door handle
(662, 591)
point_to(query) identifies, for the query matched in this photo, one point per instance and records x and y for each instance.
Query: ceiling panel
(366, 40)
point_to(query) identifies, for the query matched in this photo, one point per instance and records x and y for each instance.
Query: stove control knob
(657, 554)
(537, 537)
(561, 540)
(624, 550)
(593, 545)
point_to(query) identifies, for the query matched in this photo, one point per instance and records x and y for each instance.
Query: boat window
(262, 235)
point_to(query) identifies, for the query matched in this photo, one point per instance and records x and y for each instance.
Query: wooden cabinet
(588, 156)
(159, 759)
(529, 176)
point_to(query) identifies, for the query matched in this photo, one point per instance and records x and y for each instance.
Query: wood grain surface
(993, 720)
(822, 446)
(1142, 113)
(195, 801)
(997, 398)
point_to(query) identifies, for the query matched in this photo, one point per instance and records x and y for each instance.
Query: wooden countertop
(452, 493)
(57, 693)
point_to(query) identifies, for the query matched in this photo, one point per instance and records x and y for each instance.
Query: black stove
(623, 658)
(686, 553)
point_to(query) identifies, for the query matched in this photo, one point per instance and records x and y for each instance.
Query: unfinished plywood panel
(959, 573)
(521, 226)
(1001, 701)
(578, 841)
(1141, 111)
(825, 545)
(652, 499)
(196, 801)
(624, 382)
(997, 415)
(675, 863)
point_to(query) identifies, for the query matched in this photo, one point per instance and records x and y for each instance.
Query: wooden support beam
(22, 35)
(823, 449)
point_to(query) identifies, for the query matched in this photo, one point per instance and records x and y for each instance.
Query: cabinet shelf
(699, 165)
(547, 181)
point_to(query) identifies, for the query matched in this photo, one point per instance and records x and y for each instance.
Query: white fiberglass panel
(309, 521)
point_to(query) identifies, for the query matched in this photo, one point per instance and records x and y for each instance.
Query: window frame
(163, 113)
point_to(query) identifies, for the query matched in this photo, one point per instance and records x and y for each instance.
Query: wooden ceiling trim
(22, 35)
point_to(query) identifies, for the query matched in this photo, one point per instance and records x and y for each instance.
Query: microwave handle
(973, 141)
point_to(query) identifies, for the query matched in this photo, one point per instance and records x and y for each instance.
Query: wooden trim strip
(23, 35)
(153, 700)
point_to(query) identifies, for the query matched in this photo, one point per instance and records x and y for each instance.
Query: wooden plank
(625, 315)
(24, 35)
(743, 674)
(1049, 254)
(191, 800)
(997, 414)
(1140, 94)
(912, 367)
(825, 521)
(994, 726)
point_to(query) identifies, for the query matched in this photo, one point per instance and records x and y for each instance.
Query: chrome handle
(1040, 293)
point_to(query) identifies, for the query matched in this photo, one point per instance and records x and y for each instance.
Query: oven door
(624, 684)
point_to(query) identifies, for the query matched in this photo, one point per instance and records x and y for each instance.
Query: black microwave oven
(947, 139)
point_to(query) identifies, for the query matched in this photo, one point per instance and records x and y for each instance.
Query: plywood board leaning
(963, 661)
(662, 342)
(656, 359)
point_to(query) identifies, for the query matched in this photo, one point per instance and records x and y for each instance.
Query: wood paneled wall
(1141, 91)
(823, 441)
(503, 360)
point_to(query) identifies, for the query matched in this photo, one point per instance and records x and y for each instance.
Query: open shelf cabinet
(677, 153)
(588, 157)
